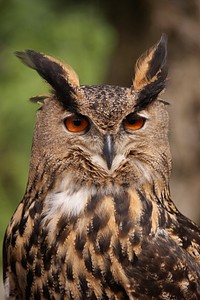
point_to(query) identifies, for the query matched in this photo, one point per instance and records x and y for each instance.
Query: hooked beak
(108, 150)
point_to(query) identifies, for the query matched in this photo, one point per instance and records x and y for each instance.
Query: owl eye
(77, 123)
(133, 122)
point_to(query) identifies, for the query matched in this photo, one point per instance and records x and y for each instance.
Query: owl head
(102, 133)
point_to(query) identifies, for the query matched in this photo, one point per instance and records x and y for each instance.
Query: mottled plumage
(97, 220)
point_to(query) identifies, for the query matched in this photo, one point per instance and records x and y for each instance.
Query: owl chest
(90, 224)
(86, 251)
(83, 246)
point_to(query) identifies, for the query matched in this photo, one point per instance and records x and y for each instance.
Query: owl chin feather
(118, 160)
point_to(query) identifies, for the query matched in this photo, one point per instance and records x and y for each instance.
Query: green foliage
(75, 34)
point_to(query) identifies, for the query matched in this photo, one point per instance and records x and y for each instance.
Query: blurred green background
(101, 40)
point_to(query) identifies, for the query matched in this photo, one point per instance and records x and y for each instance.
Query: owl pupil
(77, 122)
(132, 121)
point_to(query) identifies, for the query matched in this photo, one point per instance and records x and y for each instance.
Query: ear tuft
(151, 73)
(62, 78)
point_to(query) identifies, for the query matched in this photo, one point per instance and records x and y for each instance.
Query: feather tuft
(62, 78)
(151, 73)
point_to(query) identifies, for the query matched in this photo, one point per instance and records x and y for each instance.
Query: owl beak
(108, 150)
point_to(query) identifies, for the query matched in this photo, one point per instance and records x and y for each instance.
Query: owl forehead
(106, 104)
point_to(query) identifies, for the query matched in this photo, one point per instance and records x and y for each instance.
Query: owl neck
(125, 211)
(74, 196)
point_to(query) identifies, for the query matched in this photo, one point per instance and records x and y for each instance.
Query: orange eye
(133, 122)
(76, 123)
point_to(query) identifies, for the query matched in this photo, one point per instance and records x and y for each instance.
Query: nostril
(132, 152)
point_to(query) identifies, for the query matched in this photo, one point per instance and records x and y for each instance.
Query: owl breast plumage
(97, 220)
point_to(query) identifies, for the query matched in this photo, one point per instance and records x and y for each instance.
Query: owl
(97, 220)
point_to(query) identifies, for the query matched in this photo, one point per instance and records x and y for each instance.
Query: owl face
(103, 133)
(105, 138)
